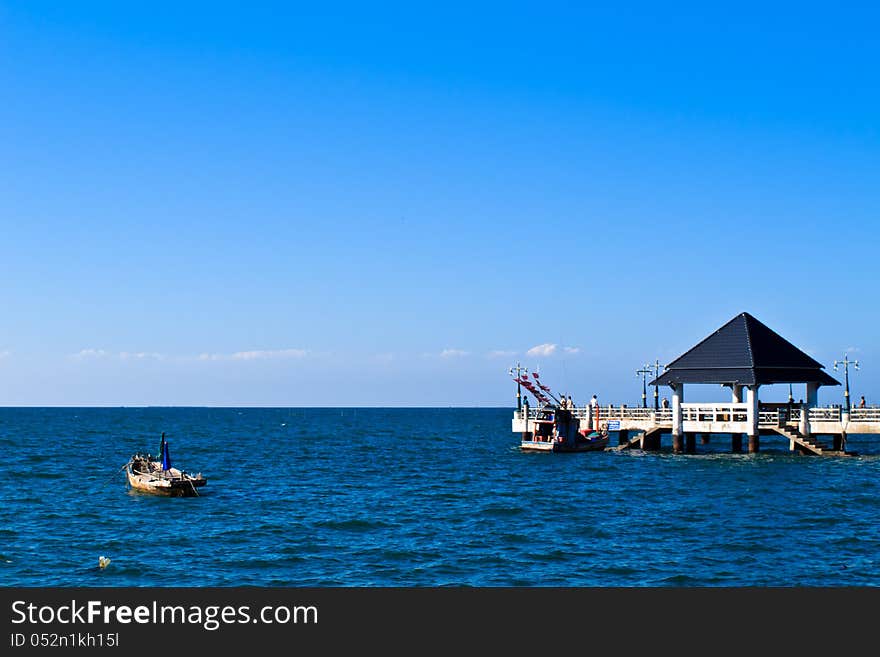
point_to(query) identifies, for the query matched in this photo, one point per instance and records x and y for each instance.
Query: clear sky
(390, 204)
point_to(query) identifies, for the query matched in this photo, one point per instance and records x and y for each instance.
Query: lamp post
(518, 371)
(846, 362)
(656, 386)
(644, 372)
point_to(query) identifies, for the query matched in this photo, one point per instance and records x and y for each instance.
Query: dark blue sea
(418, 497)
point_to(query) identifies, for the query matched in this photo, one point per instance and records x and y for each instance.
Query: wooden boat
(555, 427)
(157, 476)
(557, 430)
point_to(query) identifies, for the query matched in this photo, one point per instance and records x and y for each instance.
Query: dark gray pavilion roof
(745, 352)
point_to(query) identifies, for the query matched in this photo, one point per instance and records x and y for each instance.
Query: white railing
(712, 413)
(770, 418)
(625, 413)
(825, 414)
(635, 413)
(865, 414)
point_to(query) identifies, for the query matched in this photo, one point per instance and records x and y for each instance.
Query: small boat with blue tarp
(156, 475)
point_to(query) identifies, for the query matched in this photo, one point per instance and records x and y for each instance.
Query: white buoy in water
(103, 561)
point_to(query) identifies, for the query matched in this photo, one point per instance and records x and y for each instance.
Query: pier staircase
(807, 443)
(636, 441)
(631, 443)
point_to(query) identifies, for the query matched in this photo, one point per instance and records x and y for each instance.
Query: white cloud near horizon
(89, 353)
(550, 349)
(453, 353)
(84, 354)
(141, 355)
(257, 354)
(446, 354)
(546, 349)
(5, 353)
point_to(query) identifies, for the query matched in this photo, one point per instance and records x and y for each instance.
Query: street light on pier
(518, 371)
(846, 362)
(644, 372)
(656, 367)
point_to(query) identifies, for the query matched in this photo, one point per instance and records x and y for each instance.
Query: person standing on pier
(594, 406)
(862, 402)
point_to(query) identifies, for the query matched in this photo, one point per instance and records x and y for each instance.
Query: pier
(742, 355)
(642, 427)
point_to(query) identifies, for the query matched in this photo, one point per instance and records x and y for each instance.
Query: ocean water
(418, 497)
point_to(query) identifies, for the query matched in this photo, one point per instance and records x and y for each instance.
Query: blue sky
(273, 204)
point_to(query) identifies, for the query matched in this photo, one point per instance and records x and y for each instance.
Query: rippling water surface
(418, 497)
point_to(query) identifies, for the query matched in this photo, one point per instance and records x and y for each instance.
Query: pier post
(736, 443)
(736, 394)
(677, 398)
(622, 437)
(650, 443)
(837, 442)
(812, 402)
(812, 395)
(754, 444)
(690, 442)
(677, 443)
(752, 417)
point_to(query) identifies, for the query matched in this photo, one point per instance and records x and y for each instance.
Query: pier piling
(736, 443)
(677, 443)
(754, 444)
(651, 441)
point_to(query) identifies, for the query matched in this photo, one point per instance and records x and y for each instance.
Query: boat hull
(561, 447)
(157, 485)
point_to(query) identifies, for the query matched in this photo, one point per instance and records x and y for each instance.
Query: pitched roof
(745, 352)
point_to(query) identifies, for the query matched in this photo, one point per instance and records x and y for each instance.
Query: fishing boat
(555, 426)
(557, 430)
(157, 476)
